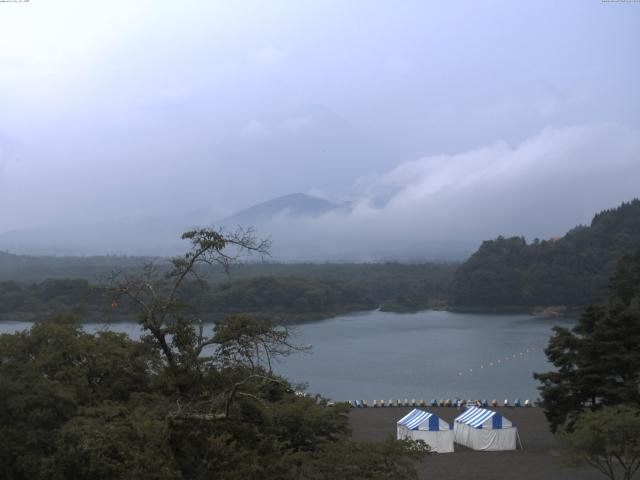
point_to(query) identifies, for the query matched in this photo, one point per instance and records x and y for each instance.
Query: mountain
(572, 270)
(156, 236)
(293, 205)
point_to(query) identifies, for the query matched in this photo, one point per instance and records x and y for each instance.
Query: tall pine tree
(598, 361)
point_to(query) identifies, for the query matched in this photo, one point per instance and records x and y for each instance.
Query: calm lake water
(375, 355)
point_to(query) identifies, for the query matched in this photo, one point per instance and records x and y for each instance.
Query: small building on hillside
(428, 427)
(482, 429)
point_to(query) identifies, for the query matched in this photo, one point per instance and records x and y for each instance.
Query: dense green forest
(293, 292)
(290, 299)
(25, 268)
(572, 270)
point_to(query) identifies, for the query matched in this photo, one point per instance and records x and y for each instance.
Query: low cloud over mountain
(435, 207)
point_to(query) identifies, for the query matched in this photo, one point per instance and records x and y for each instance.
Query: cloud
(540, 187)
(296, 124)
(5, 154)
(256, 130)
(267, 57)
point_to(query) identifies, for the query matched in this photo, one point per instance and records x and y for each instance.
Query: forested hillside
(33, 287)
(39, 268)
(572, 270)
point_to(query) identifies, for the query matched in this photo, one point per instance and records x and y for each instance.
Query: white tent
(425, 426)
(482, 429)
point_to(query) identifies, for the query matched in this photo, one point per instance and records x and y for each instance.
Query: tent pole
(519, 440)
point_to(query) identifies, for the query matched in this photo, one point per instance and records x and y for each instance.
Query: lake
(424, 355)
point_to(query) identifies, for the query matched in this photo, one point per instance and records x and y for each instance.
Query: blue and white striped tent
(482, 429)
(425, 426)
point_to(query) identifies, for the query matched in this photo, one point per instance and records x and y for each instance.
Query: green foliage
(316, 291)
(408, 302)
(48, 374)
(39, 300)
(76, 406)
(607, 439)
(598, 361)
(177, 405)
(114, 440)
(287, 296)
(381, 461)
(572, 270)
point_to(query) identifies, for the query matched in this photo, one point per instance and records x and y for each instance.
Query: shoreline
(295, 319)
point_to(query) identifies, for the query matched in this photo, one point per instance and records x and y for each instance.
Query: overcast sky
(437, 119)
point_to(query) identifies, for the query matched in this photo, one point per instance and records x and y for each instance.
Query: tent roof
(475, 417)
(415, 418)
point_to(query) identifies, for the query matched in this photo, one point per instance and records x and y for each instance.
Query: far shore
(310, 317)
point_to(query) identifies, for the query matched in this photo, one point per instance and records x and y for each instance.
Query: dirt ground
(538, 460)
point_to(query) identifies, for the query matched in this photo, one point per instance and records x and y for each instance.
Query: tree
(49, 375)
(608, 440)
(392, 459)
(597, 361)
(173, 325)
(181, 403)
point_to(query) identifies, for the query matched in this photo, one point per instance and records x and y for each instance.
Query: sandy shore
(538, 460)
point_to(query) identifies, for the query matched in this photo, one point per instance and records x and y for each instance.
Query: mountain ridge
(293, 204)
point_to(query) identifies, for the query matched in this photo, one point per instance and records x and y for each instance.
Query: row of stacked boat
(457, 402)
